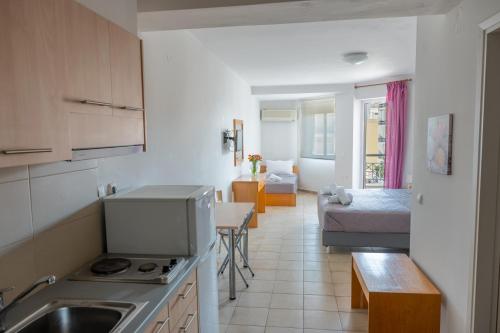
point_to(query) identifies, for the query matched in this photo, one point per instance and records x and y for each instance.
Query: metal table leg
(245, 248)
(232, 265)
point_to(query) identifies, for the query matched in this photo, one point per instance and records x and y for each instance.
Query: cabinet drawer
(182, 298)
(161, 323)
(188, 322)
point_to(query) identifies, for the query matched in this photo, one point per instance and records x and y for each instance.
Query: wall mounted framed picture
(439, 144)
(238, 141)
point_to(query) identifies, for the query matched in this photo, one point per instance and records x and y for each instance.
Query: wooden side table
(399, 297)
(251, 189)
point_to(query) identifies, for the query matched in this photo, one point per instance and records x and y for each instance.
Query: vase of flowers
(254, 159)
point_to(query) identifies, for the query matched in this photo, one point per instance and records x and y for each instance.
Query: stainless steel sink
(79, 316)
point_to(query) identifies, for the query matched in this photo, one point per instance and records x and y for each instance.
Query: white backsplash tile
(57, 197)
(15, 219)
(13, 174)
(42, 170)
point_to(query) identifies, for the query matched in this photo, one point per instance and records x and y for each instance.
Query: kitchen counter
(156, 296)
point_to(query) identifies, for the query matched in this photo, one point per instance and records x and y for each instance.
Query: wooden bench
(399, 297)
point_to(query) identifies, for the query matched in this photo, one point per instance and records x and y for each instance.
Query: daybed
(375, 218)
(284, 192)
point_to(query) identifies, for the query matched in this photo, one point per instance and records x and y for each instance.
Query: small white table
(231, 216)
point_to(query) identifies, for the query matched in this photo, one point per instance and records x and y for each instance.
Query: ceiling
(311, 53)
(157, 15)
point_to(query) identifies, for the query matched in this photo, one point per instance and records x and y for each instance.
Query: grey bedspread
(288, 184)
(372, 210)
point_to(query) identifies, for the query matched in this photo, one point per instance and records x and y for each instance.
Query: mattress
(288, 184)
(372, 210)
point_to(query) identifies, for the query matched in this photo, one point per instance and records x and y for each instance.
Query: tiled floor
(298, 286)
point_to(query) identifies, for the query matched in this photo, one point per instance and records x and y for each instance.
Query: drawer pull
(27, 151)
(92, 102)
(130, 108)
(191, 317)
(186, 293)
(163, 323)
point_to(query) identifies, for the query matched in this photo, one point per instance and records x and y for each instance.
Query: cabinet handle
(185, 294)
(130, 108)
(26, 151)
(188, 323)
(92, 102)
(163, 323)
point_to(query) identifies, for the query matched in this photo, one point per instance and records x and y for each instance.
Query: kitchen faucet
(4, 309)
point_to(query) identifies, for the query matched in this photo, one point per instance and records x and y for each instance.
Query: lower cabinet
(180, 315)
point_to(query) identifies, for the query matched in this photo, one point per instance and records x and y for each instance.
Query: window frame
(325, 155)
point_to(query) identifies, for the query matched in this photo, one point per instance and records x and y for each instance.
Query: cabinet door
(33, 124)
(126, 68)
(87, 64)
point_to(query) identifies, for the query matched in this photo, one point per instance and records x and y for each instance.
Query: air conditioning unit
(278, 115)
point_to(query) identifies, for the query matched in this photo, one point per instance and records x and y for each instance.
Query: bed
(284, 192)
(375, 218)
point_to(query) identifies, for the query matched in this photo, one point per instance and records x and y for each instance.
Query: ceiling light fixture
(355, 58)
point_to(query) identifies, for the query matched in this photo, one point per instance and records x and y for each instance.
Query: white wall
(190, 98)
(442, 228)
(279, 139)
(121, 12)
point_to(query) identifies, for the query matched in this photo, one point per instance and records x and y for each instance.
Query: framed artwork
(238, 141)
(439, 144)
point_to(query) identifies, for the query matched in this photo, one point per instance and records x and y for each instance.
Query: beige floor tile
(344, 305)
(245, 329)
(260, 286)
(290, 265)
(318, 288)
(320, 303)
(353, 321)
(284, 287)
(287, 275)
(257, 300)
(287, 301)
(282, 330)
(341, 277)
(285, 318)
(249, 316)
(324, 331)
(322, 320)
(340, 266)
(317, 276)
(316, 266)
(296, 256)
(225, 314)
(342, 289)
(264, 274)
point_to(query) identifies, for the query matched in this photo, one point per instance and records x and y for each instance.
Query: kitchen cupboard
(70, 80)
(104, 82)
(180, 315)
(33, 122)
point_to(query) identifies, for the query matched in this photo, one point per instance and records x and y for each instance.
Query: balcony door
(374, 143)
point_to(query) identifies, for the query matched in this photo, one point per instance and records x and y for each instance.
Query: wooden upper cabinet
(126, 68)
(103, 74)
(87, 62)
(33, 124)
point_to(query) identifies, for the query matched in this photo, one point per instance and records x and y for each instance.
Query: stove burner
(110, 266)
(148, 267)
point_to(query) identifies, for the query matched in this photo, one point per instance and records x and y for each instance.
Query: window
(374, 145)
(318, 129)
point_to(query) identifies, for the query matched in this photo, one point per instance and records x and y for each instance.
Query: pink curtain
(397, 100)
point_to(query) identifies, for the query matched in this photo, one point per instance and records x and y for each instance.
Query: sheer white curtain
(318, 129)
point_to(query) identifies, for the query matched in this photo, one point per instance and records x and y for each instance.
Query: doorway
(373, 159)
(486, 273)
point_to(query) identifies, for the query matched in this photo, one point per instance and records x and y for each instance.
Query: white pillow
(280, 167)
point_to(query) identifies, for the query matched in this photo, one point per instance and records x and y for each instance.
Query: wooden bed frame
(281, 199)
